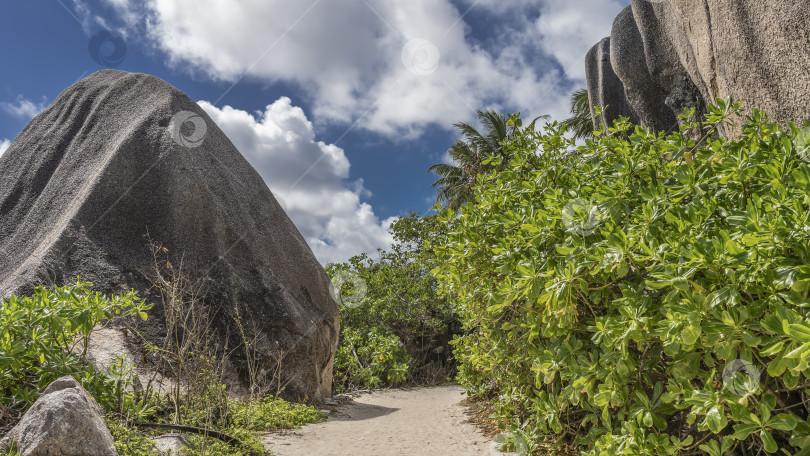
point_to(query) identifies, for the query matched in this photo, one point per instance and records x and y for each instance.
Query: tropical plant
(470, 155)
(392, 320)
(647, 295)
(581, 121)
(43, 337)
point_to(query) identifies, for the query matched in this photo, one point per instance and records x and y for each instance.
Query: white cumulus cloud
(567, 29)
(309, 176)
(4, 143)
(563, 29)
(355, 60)
(23, 108)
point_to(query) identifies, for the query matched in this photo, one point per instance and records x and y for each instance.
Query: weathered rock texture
(108, 163)
(64, 421)
(678, 54)
(605, 88)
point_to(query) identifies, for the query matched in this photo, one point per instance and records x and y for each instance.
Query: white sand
(414, 422)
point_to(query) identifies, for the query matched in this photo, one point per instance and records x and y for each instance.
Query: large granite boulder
(119, 156)
(664, 66)
(627, 57)
(605, 89)
(694, 51)
(64, 421)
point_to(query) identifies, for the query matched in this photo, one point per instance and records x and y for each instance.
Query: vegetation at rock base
(247, 418)
(42, 339)
(646, 294)
(394, 326)
(38, 337)
(643, 293)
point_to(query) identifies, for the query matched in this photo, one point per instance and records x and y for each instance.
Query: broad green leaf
(785, 278)
(733, 247)
(690, 335)
(777, 366)
(802, 352)
(773, 349)
(716, 419)
(750, 339)
(768, 442)
(799, 332)
(680, 283)
(783, 422)
(658, 284)
(742, 431)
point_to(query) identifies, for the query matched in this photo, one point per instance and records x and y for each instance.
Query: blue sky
(364, 90)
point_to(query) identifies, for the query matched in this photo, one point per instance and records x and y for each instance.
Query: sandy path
(415, 422)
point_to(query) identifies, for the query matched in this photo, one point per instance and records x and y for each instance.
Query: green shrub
(38, 332)
(269, 413)
(129, 442)
(243, 421)
(37, 346)
(137, 442)
(369, 359)
(392, 317)
(208, 406)
(647, 294)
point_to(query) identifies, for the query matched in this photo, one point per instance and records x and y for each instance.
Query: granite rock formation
(119, 156)
(675, 54)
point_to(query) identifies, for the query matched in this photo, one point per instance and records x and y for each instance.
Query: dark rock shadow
(358, 411)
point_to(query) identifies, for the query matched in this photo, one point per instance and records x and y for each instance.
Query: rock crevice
(679, 54)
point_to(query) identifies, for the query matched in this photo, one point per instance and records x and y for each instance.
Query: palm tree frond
(455, 183)
(581, 122)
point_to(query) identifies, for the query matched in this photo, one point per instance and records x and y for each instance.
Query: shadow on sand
(359, 411)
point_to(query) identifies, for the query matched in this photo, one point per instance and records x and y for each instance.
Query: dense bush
(394, 326)
(41, 339)
(646, 294)
(369, 358)
(272, 413)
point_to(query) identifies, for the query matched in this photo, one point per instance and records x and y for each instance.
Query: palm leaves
(581, 122)
(454, 186)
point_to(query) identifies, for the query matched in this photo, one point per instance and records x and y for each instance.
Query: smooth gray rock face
(64, 421)
(112, 160)
(694, 51)
(664, 65)
(605, 89)
(630, 64)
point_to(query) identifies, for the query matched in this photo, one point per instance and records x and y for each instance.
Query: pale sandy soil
(413, 422)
